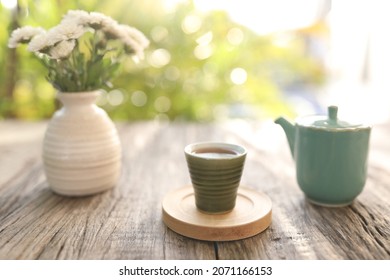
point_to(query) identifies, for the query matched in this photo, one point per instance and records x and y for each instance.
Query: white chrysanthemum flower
(62, 32)
(137, 35)
(39, 43)
(100, 20)
(62, 49)
(94, 19)
(114, 31)
(134, 40)
(66, 31)
(132, 46)
(76, 17)
(59, 44)
(24, 35)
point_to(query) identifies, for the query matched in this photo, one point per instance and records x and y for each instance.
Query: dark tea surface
(215, 153)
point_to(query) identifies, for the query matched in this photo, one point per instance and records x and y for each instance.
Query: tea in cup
(215, 170)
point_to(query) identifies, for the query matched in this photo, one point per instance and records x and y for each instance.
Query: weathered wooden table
(126, 223)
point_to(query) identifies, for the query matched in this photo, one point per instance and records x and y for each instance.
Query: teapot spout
(289, 129)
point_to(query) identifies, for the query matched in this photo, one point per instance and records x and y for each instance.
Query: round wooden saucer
(251, 215)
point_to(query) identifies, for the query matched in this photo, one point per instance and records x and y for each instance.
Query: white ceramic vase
(81, 147)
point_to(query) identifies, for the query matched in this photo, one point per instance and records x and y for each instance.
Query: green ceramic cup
(215, 170)
(331, 157)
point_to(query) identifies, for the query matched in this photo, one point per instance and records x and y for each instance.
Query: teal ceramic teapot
(330, 155)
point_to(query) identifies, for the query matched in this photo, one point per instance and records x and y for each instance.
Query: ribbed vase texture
(81, 147)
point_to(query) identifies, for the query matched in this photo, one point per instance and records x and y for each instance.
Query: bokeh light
(202, 52)
(191, 24)
(159, 58)
(172, 73)
(162, 104)
(238, 76)
(159, 33)
(235, 36)
(9, 4)
(139, 98)
(115, 97)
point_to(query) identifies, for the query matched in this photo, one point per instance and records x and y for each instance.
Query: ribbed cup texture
(215, 182)
(81, 147)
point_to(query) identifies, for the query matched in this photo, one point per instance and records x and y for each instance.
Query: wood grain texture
(251, 215)
(126, 222)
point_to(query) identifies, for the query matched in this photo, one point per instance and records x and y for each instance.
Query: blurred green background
(199, 66)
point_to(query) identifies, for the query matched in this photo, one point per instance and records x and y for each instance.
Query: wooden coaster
(252, 215)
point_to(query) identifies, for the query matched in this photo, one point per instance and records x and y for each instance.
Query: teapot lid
(327, 122)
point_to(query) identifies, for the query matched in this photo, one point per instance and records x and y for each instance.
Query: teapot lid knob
(329, 122)
(332, 113)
